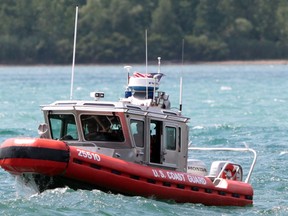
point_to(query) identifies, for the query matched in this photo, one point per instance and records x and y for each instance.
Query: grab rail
(232, 149)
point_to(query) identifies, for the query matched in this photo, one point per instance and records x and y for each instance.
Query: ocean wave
(220, 135)
(7, 133)
(225, 88)
(4, 132)
(215, 127)
(208, 101)
(198, 127)
(283, 153)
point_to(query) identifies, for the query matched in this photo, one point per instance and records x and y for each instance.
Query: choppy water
(229, 106)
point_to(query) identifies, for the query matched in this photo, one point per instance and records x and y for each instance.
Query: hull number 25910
(89, 155)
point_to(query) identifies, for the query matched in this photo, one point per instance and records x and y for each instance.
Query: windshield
(63, 126)
(102, 128)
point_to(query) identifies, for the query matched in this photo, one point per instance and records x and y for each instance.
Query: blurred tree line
(113, 31)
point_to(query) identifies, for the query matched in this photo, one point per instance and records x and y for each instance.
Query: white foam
(226, 88)
(283, 153)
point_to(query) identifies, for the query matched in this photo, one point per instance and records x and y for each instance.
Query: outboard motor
(196, 167)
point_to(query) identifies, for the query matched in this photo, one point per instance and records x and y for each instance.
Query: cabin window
(170, 138)
(137, 130)
(63, 126)
(102, 128)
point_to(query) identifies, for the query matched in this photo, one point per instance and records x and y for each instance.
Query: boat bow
(44, 156)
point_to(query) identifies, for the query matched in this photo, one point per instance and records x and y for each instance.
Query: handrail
(232, 149)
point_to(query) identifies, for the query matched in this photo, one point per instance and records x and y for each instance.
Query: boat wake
(25, 188)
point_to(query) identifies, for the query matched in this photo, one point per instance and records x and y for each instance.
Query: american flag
(141, 75)
(149, 75)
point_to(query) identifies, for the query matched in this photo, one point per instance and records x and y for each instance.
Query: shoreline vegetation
(167, 63)
(113, 32)
(249, 62)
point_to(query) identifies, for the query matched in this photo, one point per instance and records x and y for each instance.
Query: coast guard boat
(135, 146)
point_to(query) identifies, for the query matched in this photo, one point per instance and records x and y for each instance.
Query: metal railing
(235, 150)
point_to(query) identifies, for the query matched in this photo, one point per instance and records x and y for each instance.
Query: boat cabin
(146, 135)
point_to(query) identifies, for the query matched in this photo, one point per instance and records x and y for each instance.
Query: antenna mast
(181, 89)
(146, 51)
(128, 68)
(159, 64)
(74, 51)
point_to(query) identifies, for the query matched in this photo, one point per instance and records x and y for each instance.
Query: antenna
(146, 63)
(74, 51)
(181, 88)
(159, 64)
(128, 68)
(156, 76)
